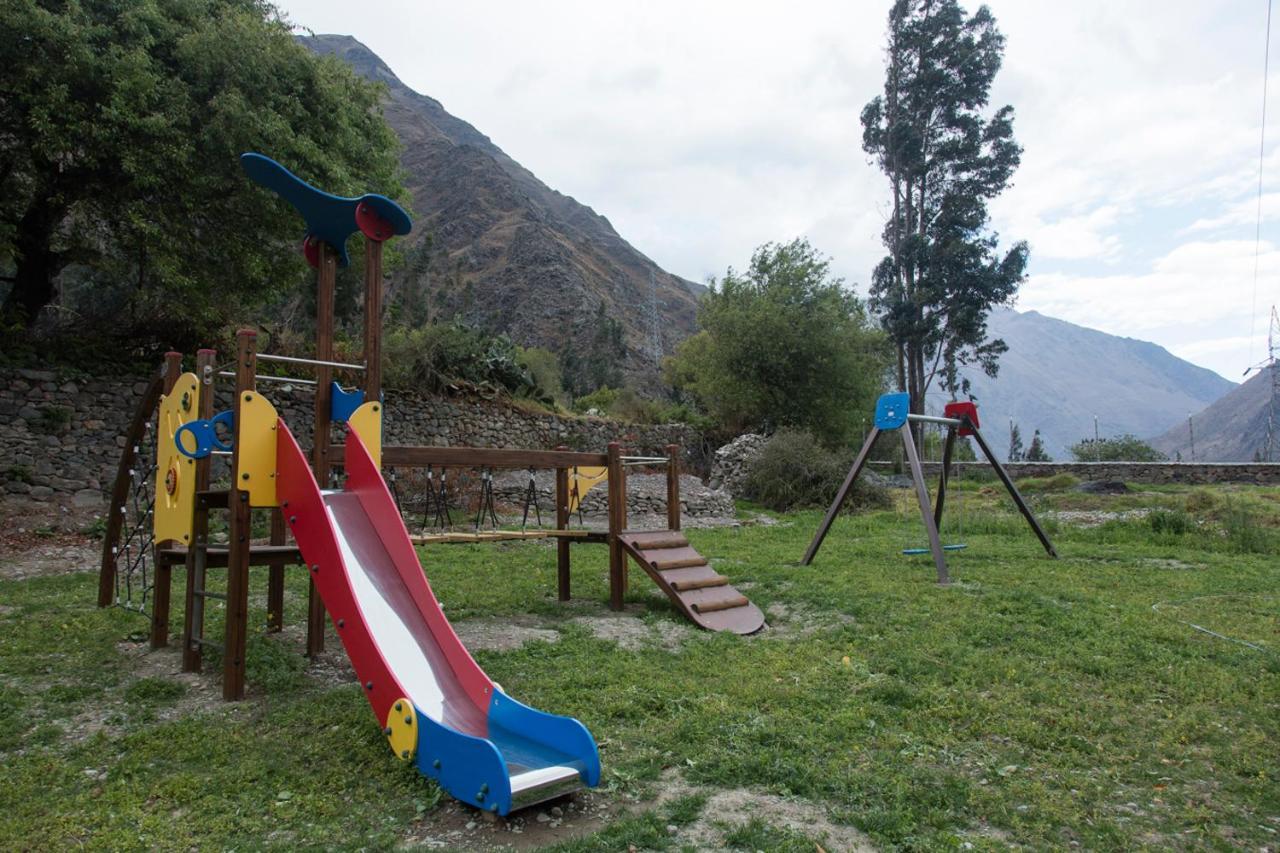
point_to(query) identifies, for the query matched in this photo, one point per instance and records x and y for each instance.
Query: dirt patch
(632, 633)
(455, 826)
(61, 554)
(1159, 563)
(1095, 517)
(792, 622)
(728, 809)
(500, 635)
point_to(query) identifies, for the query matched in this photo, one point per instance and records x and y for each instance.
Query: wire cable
(1262, 150)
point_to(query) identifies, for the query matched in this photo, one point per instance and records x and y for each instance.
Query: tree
(782, 344)
(121, 122)
(592, 356)
(1015, 443)
(1036, 452)
(945, 160)
(1120, 448)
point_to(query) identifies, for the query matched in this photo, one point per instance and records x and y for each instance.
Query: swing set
(961, 419)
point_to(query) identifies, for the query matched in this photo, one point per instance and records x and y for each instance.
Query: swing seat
(911, 552)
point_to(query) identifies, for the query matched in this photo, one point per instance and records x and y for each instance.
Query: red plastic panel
(311, 251)
(371, 224)
(962, 409)
(305, 512)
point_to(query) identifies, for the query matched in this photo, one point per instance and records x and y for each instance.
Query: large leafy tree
(945, 158)
(783, 344)
(120, 126)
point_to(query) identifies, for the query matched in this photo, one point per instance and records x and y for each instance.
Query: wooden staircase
(702, 594)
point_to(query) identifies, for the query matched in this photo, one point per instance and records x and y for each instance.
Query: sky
(705, 129)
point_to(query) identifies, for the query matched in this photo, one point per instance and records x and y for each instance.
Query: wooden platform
(259, 555)
(702, 594)
(504, 535)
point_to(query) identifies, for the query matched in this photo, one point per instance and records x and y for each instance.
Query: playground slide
(433, 702)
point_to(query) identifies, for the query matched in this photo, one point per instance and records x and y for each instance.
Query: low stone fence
(1196, 473)
(61, 434)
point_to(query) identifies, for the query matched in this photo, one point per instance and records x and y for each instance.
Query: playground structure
(433, 703)
(961, 419)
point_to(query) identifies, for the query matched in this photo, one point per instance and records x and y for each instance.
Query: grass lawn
(1033, 702)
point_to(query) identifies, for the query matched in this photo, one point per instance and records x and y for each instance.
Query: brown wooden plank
(678, 563)
(726, 603)
(404, 456)
(240, 529)
(700, 583)
(650, 541)
(563, 579)
(617, 524)
(211, 498)
(673, 486)
(275, 576)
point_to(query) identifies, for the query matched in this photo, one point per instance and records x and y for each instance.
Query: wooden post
(673, 487)
(617, 523)
(841, 496)
(197, 553)
(1013, 492)
(562, 523)
(944, 476)
(164, 571)
(922, 495)
(326, 277)
(241, 529)
(372, 319)
(275, 576)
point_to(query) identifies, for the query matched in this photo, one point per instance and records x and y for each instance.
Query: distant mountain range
(1232, 429)
(496, 246)
(1057, 376)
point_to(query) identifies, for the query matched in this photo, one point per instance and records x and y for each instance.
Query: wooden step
(700, 583)
(217, 555)
(657, 539)
(721, 604)
(212, 498)
(679, 563)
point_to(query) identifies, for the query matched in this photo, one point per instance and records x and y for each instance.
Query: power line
(1262, 150)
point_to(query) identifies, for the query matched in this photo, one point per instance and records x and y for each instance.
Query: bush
(1056, 483)
(1170, 522)
(794, 471)
(1119, 448)
(439, 355)
(1245, 533)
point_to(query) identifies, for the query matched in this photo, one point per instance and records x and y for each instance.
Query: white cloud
(704, 129)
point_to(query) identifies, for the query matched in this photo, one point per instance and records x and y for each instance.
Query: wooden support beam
(563, 581)
(372, 319)
(321, 460)
(926, 511)
(673, 487)
(275, 576)
(944, 476)
(1013, 491)
(239, 534)
(617, 524)
(401, 456)
(841, 496)
(163, 588)
(197, 554)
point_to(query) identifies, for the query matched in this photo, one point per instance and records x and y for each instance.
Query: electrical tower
(655, 321)
(1271, 450)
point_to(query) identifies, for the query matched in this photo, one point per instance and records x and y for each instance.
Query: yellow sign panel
(366, 422)
(256, 449)
(583, 480)
(402, 729)
(175, 473)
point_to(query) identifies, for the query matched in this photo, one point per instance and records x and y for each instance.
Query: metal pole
(314, 362)
(926, 511)
(841, 496)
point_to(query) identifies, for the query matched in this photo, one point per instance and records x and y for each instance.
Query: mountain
(1057, 376)
(496, 246)
(1232, 429)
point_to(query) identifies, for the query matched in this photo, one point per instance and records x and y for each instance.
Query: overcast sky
(702, 130)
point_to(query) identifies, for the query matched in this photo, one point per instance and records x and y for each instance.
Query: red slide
(433, 701)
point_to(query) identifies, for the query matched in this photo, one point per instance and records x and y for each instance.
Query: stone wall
(1257, 473)
(64, 434)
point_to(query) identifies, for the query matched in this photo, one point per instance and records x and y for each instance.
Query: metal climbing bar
(283, 380)
(935, 419)
(314, 362)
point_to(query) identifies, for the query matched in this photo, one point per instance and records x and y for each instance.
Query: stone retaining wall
(61, 434)
(1257, 473)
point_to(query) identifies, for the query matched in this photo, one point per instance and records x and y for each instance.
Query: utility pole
(1191, 432)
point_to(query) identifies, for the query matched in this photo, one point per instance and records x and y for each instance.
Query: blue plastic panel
(329, 217)
(469, 768)
(892, 409)
(558, 740)
(342, 404)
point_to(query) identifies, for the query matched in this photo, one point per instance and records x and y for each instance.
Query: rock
(41, 493)
(1103, 487)
(88, 498)
(732, 461)
(542, 817)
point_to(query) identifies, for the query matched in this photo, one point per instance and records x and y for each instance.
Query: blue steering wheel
(205, 435)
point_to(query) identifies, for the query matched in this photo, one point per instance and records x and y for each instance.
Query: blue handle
(205, 435)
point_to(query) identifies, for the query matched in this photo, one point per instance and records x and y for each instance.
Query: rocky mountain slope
(1232, 429)
(496, 246)
(1057, 376)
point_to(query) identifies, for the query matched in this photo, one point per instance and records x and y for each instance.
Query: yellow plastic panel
(175, 473)
(366, 422)
(256, 446)
(583, 480)
(402, 729)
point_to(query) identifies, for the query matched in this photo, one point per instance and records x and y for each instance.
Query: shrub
(436, 356)
(1119, 448)
(1245, 534)
(1170, 522)
(794, 471)
(1056, 483)
(1202, 502)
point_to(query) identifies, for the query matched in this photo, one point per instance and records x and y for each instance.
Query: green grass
(1033, 702)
